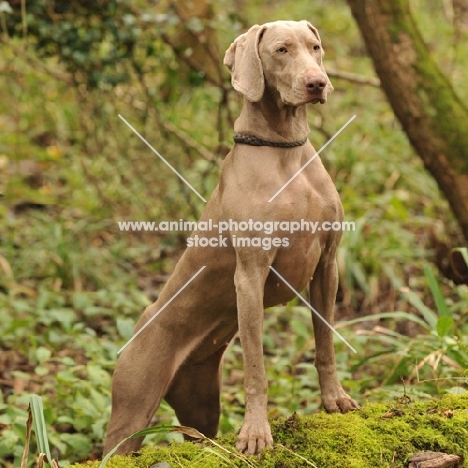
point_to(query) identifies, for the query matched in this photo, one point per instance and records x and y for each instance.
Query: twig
(23, 20)
(188, 141)
(354, 78)
(297, 455)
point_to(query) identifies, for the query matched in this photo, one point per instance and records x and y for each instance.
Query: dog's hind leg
(142, 377)
(195, 393)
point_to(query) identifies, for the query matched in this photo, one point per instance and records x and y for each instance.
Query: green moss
(362, 439)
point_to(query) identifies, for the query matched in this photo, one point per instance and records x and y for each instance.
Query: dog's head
(285, 56)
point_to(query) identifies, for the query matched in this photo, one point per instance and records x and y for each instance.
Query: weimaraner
(278, 69)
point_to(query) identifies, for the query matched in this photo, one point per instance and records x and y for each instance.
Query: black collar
(254, 141)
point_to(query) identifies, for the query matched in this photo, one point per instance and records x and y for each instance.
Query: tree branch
(353, 78)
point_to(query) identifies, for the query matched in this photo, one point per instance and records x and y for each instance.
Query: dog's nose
(315, 84)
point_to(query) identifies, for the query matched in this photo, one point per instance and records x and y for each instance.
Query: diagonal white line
(159, 155)
(313, 310)
(161, 309)
(312, 158)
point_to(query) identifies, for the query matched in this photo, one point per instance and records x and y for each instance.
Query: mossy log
(379, 435)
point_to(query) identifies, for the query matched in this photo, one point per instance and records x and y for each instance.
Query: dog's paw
(254, 437)
(347, 404)
(340, 404)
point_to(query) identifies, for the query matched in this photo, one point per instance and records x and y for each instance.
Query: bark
(423, 99)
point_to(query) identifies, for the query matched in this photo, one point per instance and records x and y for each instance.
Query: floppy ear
(243, 61)
(317, 35)
(314, 30)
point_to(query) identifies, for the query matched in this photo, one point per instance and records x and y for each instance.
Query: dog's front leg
(250, 276)
(323, 289)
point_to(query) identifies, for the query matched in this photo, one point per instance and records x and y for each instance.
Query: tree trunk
(433, 117)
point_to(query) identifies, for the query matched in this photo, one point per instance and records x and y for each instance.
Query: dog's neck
(271, 120)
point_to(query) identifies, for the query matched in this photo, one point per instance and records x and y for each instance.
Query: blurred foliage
(89, 38)
(72, 285)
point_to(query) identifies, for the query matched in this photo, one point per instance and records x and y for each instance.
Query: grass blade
(439, 298)
(308, 462)
(429, 316)
(215, 453)
(397, 315)
(40, 429)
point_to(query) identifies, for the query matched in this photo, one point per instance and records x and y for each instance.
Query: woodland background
(72, 285)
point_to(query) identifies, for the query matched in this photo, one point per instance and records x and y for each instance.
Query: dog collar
(254, 141)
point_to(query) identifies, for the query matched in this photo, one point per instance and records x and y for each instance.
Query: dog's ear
(317, 35)
(314, 30)
(243, 61)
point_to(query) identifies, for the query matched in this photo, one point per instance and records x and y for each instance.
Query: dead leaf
(447, 413)
(190, 431)
(19, 385)
(404, 399)
(43, 459)
(24, 459)
(392, 413)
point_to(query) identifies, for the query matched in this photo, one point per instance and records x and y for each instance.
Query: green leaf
(444, 325)
(125, 328)
(41, 370)
(42, 354)
(456, 390)
(439, 299)
(80, 443)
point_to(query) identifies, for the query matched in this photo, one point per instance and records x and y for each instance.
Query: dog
(278, 69)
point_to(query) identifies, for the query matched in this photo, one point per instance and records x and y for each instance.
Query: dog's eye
(316, 47)
(282, 50)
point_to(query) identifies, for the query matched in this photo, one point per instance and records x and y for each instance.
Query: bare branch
(354, 78)
(188, 141)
